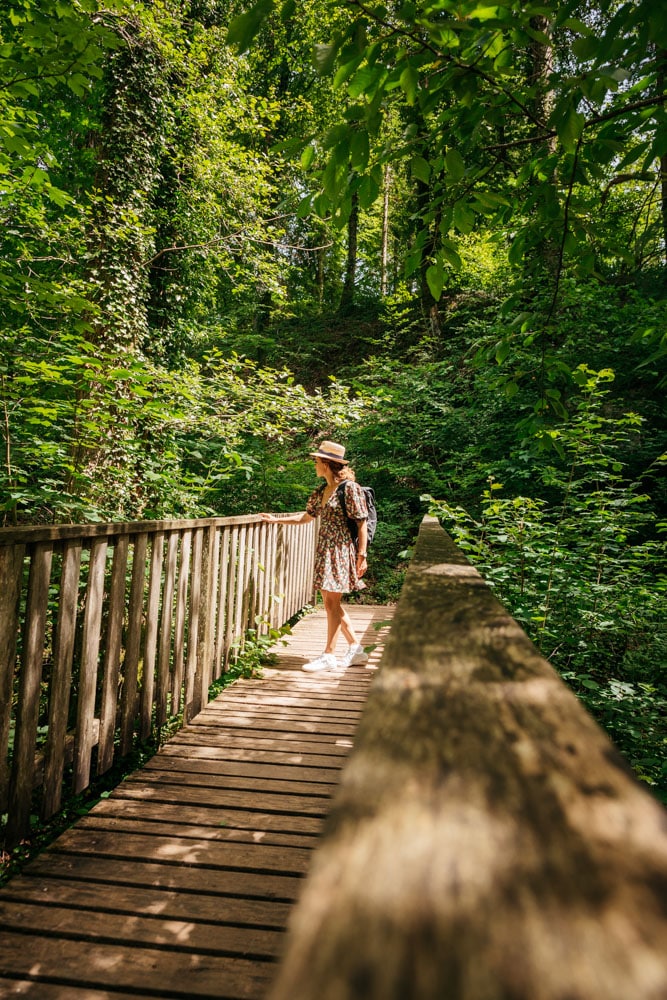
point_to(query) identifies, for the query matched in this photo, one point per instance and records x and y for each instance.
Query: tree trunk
(320, 276)
(429, 304)
(347, 297)
(385, 232)
(662, 84)
(541, 66)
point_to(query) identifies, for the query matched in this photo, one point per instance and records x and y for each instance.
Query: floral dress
(336, 555)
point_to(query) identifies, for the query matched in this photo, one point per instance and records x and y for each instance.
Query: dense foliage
(434, 229)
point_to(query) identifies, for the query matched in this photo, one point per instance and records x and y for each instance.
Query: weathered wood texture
(107, 630)
(179, 884)
(486, 841)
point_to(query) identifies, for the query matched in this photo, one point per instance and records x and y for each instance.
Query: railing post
(133, 643)
(21, 782)
(11, 571)
(61, 678)
(112, 655)
(192, 663)
(166, 625)
(179, 624)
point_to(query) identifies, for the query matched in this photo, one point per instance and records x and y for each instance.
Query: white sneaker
(326, 661)
(355, 654)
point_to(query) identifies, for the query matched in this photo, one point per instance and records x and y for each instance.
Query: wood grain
(487, 842)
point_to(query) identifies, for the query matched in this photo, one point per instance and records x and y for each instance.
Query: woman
(339, 564)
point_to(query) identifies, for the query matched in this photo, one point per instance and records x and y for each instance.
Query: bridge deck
(179, 884)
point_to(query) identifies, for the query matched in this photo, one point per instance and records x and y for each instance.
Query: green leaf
(420, 169)
(570, 128)
(324, 56)
(464, 218)
(586, 48)
(359, 149)
(484, 13)
(502, 351)
(363, 81)
(409, 81)
(243, 28)
(449, 252)
(307, 157)
(454, 165)
(78, 83)
(435, 278)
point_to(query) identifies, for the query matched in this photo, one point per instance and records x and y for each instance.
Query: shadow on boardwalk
(179, 885)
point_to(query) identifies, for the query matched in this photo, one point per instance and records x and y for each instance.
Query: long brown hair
(340, 472)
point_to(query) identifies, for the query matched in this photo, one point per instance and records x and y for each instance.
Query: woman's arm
(362, 546)
(302, 518)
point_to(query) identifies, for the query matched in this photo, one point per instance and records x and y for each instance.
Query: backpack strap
(351, 523)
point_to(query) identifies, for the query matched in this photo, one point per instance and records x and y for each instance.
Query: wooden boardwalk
(180, 883)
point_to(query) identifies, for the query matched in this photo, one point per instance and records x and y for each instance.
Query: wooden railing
(487, 840)
(109, 630)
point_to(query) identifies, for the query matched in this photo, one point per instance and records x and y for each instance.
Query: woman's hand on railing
(302, 518)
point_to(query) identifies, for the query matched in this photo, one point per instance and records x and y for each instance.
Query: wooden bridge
(466, 830)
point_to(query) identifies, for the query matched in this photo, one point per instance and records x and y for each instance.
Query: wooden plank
(112, 654)
(61, 678)
(224, 798)
(253, 779)
(221, 884)
(207, 821)
(21, 781)
(19, 987)
(283, 831)
(87, 687)
(151, 636)
(11, 573)
(311, 761)
(263, 713)
(312, 701)
(314, 725)
(166, 625)
(95, 925)
(291, 861)
(133, 644)
(179, 624)
(330, 747)
(186, 973)
(167, 904)
(256, 773)
(486, 840)
(208, 727)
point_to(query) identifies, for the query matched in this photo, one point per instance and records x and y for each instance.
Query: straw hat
(331, 451)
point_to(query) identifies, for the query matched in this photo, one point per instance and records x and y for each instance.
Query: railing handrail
(486, 840)
(127, 637)
(25, 534)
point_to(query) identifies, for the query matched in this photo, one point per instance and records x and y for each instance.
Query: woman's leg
(337, 620)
